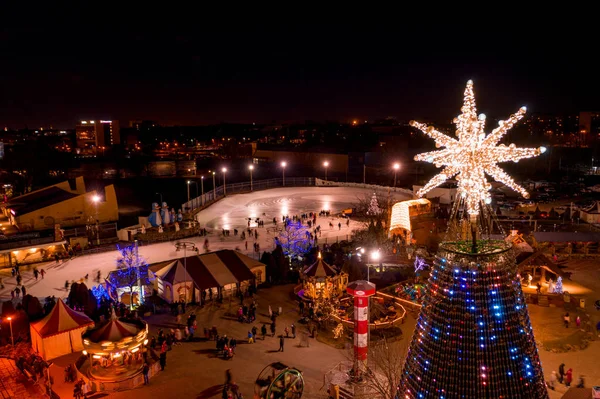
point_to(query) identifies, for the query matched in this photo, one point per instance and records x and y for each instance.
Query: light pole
(12, 339)
(283, 165)
(214, 187)
(251, 168)
(396, 167)
(202, 189)
(375, 256)
(326, 164)
(185, 245)
(224, 170)
(96, 200)
(188, 189)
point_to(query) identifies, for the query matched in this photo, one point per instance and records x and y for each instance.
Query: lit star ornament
(473, 154)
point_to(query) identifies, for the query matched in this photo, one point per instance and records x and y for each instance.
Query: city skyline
(197, 76)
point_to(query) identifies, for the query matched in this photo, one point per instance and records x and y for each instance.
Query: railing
(236, 188)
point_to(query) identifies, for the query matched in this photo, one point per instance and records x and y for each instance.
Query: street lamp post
(224, 170)
(251, 167)
(12, 339)
(326, 164)
(188, 189)
(202, 189)
(396, 167)
(214, 187)
(96, 200)
(375, 256)
(185, 245)
(283, 165)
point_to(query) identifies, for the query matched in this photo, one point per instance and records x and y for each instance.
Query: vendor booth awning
(215, 269)
(61, 319)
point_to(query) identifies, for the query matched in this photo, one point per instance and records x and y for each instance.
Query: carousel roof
(320, 269)
(115, 330)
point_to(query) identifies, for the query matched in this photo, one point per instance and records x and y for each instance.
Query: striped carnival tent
(222, 270)
(59, 333)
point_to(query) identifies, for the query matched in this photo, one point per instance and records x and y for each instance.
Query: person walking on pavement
(553, 380)
(23, 291)
(569, 377)
(263, 331)
(281, 342)
(43, 273)
(145, 371)
(228, 377)
(561, 372)
(163, 355)
(567, 319)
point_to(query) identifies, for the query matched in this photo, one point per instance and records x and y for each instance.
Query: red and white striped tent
(59, 333)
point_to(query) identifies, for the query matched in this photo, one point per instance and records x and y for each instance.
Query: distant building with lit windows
(92, 136)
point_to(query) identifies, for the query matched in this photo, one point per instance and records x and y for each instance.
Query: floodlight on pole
(251, 168)
(202, 189)
(326, 165)
(396, 168)
(185, 246)
(12, 339)
(375, 256)
(224, 170)
(214, 186)
(283, 165)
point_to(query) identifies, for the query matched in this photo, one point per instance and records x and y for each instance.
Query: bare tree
(385, 363)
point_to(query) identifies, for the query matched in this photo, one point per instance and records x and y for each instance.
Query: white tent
(59, 333)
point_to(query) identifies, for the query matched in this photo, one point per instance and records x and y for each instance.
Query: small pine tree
(374, 208)
(558, 288)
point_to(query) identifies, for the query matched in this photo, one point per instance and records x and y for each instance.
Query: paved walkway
(14, 385)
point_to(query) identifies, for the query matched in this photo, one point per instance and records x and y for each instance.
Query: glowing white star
(474, 154)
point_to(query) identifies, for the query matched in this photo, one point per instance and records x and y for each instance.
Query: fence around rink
(210, 196)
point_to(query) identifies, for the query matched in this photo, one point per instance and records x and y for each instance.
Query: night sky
(55, 71)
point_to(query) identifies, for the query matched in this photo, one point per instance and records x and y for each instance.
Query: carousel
(322, 282)
(115, 349)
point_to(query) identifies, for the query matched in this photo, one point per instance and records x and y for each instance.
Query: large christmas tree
(473, 337)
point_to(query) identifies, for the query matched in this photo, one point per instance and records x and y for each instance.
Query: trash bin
(582, 303)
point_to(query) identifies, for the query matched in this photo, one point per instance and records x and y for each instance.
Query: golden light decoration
(473, 154)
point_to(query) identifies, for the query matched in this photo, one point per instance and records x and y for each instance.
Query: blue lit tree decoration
(294, 239)
(558, 287)
(100, 293)
(473, 337)
(132, 271)
(419, 265)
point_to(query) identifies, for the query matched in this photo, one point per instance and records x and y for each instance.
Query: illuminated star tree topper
(473, 154)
